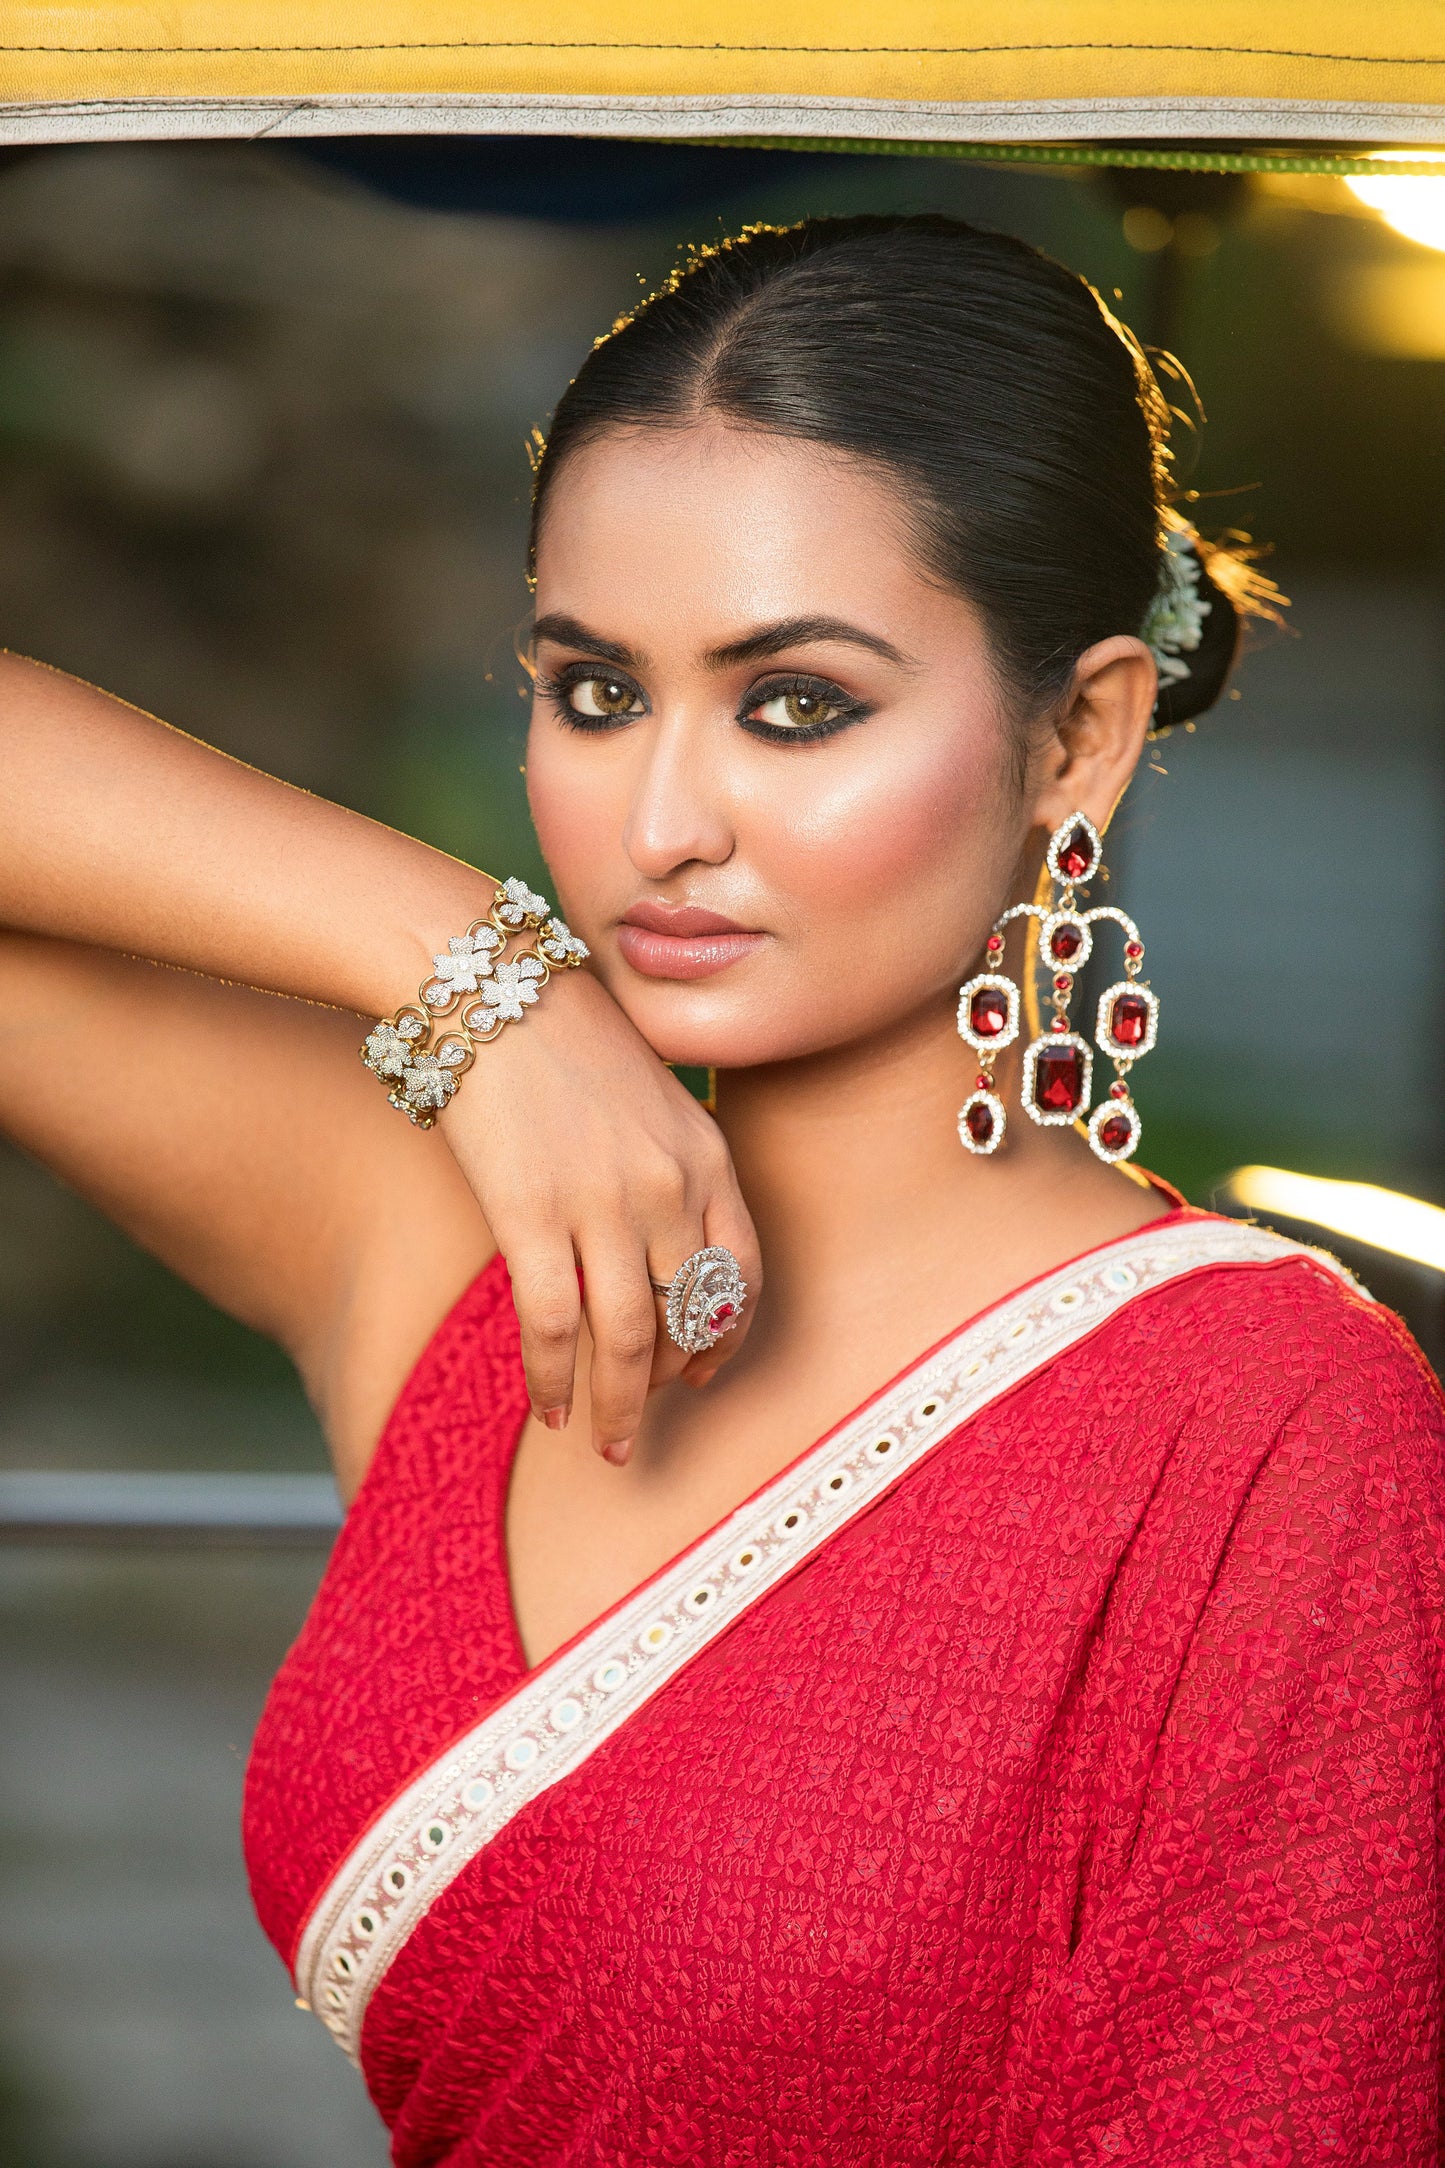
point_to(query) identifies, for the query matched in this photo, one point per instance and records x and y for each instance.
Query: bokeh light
(1414, 204)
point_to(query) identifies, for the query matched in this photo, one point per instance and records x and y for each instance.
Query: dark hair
(1022, 421)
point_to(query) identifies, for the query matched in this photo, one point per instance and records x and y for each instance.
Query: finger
(666, 1257)
(549, 1311)
(728, 1223)
(622, 1320)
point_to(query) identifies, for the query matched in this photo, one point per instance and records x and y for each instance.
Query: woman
(1045, 1765)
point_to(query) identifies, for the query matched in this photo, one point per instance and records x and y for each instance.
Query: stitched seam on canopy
(569, 1707)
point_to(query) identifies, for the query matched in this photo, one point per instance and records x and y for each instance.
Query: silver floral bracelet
(421, 1064)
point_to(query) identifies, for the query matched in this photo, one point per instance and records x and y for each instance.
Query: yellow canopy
(1307, 73)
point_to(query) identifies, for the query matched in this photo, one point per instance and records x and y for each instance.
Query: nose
(679, 813)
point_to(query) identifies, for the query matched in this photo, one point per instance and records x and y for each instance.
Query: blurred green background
(263, 418)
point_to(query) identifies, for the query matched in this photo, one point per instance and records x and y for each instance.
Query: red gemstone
(1076, 855)
(988, 1012)
(1063, 983)
(1058, 1079)
(1129, 1020)
(979, 1122)
(720, 1316)
(1115, 1133)
(1065, 941)
(1133, 948)
(1061, 1023)
(983, 1083)
(1118, 1089)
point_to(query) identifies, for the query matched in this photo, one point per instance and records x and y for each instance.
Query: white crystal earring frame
(1082, 953)
(1000, 984)
(1104, 1037)
(1061, 836)
(1046, 1117)
(1109, 1110)
(994, 1138)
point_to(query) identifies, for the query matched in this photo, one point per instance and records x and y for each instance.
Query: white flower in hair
(1174, 621)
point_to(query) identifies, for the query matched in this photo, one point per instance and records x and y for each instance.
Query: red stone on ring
(1058, 1079)
(1115, 1133)
(979, 1122)
(720, 1316)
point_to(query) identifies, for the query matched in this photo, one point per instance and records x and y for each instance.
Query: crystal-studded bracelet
(422, 1064)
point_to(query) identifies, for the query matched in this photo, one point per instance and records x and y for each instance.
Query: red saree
(1045, 1769)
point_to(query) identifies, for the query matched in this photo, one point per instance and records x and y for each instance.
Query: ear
(1092, 749)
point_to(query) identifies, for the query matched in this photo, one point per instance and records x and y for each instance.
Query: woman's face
(769, 765)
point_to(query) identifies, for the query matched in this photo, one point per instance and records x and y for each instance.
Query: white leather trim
(883, 120)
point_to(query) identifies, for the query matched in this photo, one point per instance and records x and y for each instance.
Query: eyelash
(847, 710)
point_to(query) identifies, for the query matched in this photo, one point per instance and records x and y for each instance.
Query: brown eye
(603, 697)
(796, 710)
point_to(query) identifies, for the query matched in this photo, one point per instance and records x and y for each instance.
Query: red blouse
(1076, 1802)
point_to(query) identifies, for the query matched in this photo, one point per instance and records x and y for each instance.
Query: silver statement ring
(705, 1298)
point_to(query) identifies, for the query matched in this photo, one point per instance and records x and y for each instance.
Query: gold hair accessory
(421, 1064)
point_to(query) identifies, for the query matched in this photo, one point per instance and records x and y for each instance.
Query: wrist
(486, 979)
(453, 897)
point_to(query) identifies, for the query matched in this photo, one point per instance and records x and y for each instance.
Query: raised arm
(121, 833)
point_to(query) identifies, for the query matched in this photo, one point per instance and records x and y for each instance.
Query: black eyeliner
(847, 710)
(555, 688)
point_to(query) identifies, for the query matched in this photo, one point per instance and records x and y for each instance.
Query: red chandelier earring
(1058, 1064)
(988, 1021)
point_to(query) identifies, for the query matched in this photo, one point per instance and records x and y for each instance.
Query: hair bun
(1192, 627)
(1208, 593)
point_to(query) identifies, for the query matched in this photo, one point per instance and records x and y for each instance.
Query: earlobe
(1099, 736)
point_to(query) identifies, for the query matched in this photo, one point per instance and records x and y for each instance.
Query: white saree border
(562, 1712)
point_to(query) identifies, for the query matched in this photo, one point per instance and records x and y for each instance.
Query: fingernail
(616, 1450)
(556, 1418)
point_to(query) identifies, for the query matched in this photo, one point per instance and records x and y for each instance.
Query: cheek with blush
(896, 860)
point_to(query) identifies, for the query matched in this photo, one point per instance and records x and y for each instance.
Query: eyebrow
(773, 639)
(802, 632)
(567, 631)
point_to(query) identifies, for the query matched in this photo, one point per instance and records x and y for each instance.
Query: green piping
(1429, 163)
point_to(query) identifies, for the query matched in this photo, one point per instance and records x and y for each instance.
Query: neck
(851, 1165)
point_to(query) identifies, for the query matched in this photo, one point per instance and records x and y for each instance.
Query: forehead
(699, 531)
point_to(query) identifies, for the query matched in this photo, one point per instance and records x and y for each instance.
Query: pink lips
(682, 941)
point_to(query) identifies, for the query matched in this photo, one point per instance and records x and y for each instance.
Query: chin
(703, 1027)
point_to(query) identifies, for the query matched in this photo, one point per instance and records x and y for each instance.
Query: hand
(582, 1148)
